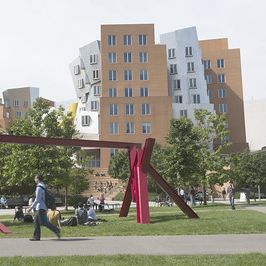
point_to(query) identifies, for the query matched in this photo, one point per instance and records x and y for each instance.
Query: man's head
(38, 179)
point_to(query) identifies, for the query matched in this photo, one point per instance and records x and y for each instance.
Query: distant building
(18, 101)
(224, 80)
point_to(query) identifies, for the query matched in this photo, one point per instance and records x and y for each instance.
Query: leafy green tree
(248, 169)
(119, 166)
(212, 132)
(56, 164)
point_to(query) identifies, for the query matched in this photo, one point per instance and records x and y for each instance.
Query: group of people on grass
(84, 214)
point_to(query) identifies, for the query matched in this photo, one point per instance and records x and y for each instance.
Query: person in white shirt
(91, 214)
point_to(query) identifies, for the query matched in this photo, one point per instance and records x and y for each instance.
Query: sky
(39, 38)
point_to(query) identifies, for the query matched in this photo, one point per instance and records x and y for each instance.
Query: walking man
(40, 216)
(231, 193)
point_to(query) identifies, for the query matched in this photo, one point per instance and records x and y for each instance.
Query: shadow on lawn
(166, 218)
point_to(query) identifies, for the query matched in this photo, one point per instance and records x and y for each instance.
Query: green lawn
(202, 260)
(214, 219)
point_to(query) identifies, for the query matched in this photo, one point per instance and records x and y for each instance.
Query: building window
(111, 58)
(146, 128)
(94, 105)
(113, 151)
(16, 103)
(127, 40)
(173, 69)
(130, 128)
(113, 109)
(207, 64)
(85, 120)
(128, 75)
(208, 78)
(145, 109)
(112, 74)
(128, 92)
(178, 99)
(112, 92)
(183, 113)
(190, 67)
(129, 109)
(192, 83)
(188, 51)
(143, 57)
(114, 128)
(18, 114)
(177, 84)
(209, 93)
(196, 98)
(111, 40)
(225, 139)
(222, 93)
(143, 74)
(76, 69)
(144, 92)
(127, 57)
(97, 90)
(221, 78)
(95, 74)
(26, 103)
(220, 63)
(171, 53)
(222, 107)
(142, 39)
(93, 59)
(80, 83)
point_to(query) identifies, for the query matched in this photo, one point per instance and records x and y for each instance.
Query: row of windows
(220, 78)
(195, 99)
(221, 92)
(18, 114)
(127, 40)
(112, 57)
(17, 103)
(128, 92)
(130, 109)
(128, 74)
(192, 83)
(190, 68)
(219, 63)
(188, 52)
(129, 128)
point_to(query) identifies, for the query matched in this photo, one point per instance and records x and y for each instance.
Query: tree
(248, 169)
(23, 162)
(119, 166)
(212, 132)
(191, 159)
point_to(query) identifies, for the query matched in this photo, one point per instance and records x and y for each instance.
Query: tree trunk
(204, 194)
(66, 195)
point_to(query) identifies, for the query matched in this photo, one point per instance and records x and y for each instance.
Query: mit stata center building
(129, 88)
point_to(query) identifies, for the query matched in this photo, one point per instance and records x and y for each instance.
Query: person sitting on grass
(81, 214)
(54, 217)
(19, 215)
(91, 214)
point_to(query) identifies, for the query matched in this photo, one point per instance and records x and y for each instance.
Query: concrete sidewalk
(135, 245)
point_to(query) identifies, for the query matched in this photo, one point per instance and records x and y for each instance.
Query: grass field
(121, 260)
(214, 219)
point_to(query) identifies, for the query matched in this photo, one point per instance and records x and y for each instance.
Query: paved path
(149, 245)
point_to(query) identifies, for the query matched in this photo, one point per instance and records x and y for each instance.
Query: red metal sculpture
(140, 167)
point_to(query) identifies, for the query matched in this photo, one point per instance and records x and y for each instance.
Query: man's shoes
(34, 239)
(58, 234)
